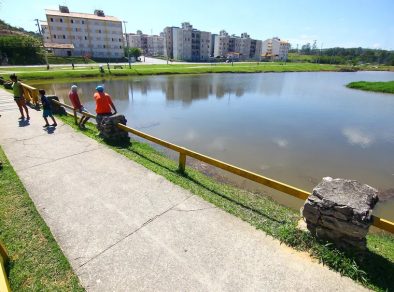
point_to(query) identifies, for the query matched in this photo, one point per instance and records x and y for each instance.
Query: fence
(184, 153)
(4, 285)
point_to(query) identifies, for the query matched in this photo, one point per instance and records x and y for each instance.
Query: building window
(120, 40)
(99, 30)
(76, 29)
(64, 37)
(112, 39)
(61, 19)
(104, 46)
(120, 47)
(72, 20)
(54, 36)
(83, 21)
(51, 19)
(86, 37)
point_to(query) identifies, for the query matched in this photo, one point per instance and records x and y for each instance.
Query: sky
(332, 23)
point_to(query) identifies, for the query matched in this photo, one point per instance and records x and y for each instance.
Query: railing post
(182, 162)
(75, 117)
(4, 284)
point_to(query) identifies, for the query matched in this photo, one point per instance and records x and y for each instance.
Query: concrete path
(124, 228)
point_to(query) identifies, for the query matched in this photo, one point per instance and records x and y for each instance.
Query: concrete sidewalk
(124, 228)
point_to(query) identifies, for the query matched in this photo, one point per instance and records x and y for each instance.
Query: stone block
(340, 210)
(108, 129)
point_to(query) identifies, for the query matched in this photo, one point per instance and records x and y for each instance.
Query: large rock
(340, 210)
(108, 129)
(56, 108)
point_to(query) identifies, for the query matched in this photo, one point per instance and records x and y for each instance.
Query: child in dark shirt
(47, 109)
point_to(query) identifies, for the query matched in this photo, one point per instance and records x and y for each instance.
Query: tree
(134, 52)
(21, 50)
(306, 49)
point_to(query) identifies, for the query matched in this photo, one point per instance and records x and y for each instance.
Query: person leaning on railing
(103, 105)
(18, 96)
(74, 98)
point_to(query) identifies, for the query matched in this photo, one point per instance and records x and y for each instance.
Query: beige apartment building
(150, 45)
(81, 34)
(235, 47)
(275, 49)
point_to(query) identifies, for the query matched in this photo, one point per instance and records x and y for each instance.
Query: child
(47, 109)
(18, 96)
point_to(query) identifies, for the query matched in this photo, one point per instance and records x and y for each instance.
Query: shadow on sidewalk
(24, 123)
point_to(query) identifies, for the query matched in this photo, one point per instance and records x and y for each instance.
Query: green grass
(374, 271)
(68, 60)
(386, 87)
(36, 261)
(93, 72)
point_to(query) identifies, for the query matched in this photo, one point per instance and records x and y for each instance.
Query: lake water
(293, 127)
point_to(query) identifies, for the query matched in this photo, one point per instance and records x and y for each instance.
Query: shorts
(47, 113)
(20, 100)
(83, 109)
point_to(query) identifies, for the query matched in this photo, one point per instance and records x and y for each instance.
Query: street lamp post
(41, 32)
(127, 43)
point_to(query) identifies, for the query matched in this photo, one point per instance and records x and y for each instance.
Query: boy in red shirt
(74, 98)
(103, 105)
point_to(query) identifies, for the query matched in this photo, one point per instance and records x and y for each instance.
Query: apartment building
(275, 49)
(81, 34)
(150, 45)
(187, 43)
(235, 47)
(156, 45)
(221, 46)
(255, 49)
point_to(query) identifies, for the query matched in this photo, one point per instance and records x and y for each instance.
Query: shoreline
(92, 72)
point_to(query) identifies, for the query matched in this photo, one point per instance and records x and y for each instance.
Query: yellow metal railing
(4, 284)
(378, 222)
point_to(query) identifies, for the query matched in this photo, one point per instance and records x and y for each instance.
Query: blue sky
(345, 23)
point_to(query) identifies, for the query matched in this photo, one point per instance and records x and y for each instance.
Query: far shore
(92, 71)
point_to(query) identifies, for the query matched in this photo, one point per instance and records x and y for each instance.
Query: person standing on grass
(18, 96)
(103, 105)
(47, 109)
(74, 98)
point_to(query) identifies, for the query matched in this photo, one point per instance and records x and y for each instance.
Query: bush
(21, 50)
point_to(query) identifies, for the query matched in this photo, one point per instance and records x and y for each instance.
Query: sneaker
(54, 125)
(28, 118)
(46, 126)
(21, 118)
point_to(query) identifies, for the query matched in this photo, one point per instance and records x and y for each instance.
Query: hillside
(6, 29)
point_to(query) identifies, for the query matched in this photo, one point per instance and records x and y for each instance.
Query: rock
(56, 108)
(340, 210)
(108, 129)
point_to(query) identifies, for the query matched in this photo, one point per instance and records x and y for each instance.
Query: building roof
(58, 46)
(80, 15)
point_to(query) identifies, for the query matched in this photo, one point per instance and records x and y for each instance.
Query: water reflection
(293, 127)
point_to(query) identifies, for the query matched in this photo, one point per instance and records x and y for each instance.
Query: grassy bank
(386, 87)
(37, 263)
(374, 271)
(92, 71)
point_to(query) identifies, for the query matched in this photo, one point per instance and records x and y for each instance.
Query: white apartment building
(155, 45)
(150, 45)
(275, 49)
(92, 35)
(186, 43)
(221, 46)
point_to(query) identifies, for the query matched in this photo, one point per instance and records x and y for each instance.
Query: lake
(292, 127)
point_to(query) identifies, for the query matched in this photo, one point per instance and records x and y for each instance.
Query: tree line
(338, 55)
